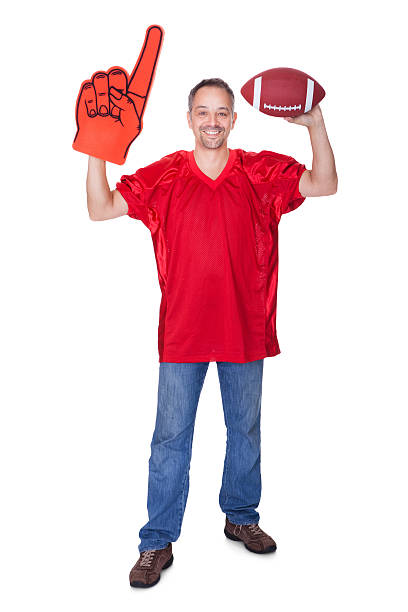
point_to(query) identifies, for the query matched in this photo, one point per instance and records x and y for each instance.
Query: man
(213, 214)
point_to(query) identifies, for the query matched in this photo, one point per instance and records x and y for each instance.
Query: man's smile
(211, 132)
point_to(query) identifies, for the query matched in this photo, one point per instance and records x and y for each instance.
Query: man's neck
(211, 159)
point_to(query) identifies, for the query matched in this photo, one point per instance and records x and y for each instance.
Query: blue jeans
(179, 390)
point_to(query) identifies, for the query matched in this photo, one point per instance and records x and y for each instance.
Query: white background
(80, 311)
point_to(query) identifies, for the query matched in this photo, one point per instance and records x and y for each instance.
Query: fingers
(141, 79)
(95, 96)
(99, 96)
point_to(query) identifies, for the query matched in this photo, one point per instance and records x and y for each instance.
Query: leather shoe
(252, 536)
(146, 571)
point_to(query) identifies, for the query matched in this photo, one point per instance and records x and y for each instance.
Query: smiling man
(213, 214)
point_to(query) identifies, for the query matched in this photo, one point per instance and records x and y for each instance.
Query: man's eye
(225, 114)
(201, 113)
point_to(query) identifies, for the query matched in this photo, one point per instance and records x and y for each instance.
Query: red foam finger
(109, 135)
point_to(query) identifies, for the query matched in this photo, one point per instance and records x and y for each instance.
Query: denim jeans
(179, 390)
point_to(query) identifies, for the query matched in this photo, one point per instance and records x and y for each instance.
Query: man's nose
(214, 118)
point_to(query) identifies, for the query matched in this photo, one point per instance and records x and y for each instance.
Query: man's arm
(321, 180)
(102, 202)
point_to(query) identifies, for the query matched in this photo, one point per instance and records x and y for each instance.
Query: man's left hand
(309, 119)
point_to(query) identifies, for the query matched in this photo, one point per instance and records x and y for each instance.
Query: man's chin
(212, 144)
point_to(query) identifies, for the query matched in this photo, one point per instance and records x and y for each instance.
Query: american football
(283, 92)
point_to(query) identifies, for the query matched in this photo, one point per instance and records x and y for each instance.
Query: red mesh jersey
(216, 249)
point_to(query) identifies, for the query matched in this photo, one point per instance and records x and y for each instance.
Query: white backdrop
(80, 311)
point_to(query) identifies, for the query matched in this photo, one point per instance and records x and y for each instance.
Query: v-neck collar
(201, 175)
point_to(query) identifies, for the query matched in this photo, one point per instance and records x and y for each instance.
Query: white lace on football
(147, 557)
(256, 530)
(282, 108)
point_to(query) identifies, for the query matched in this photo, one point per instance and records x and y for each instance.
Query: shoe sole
(143, 585)
(259, 552)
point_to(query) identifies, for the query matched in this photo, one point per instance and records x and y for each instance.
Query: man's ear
(189, 120)
(233, 120)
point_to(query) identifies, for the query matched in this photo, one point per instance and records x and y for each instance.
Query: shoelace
(147, 558)
(255, 529)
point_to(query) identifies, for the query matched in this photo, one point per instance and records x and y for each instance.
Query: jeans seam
(180, 519)
(227, 467)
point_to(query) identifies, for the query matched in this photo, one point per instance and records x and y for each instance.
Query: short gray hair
(211, 83)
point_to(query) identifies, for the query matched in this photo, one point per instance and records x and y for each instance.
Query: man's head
(211, 112)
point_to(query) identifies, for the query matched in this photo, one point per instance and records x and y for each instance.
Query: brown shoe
(146, 572)
(252, 536)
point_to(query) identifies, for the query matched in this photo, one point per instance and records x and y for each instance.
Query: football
(283, 92)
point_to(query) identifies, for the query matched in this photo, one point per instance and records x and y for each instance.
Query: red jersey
(216, 249)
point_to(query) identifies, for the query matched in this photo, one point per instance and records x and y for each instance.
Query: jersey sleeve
(287, 183)
(133, 190)
(144, 189)
(279, 176)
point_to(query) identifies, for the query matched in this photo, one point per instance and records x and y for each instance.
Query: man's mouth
(211, 132)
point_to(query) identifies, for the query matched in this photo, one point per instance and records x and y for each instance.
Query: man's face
(211, 117)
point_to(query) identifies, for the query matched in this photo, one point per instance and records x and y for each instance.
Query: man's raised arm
(102, 202)
(321, 180)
